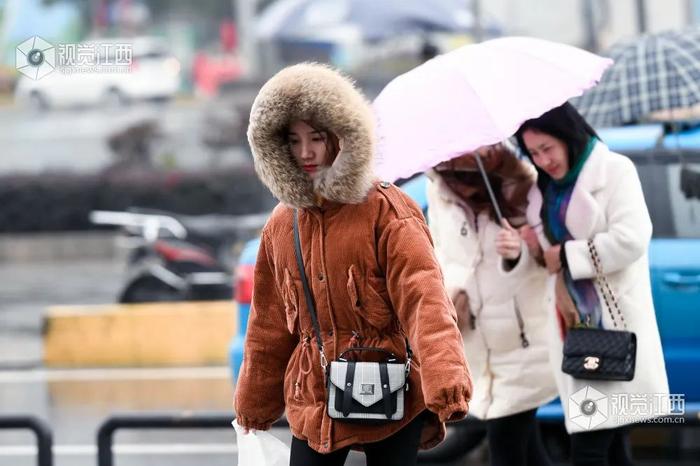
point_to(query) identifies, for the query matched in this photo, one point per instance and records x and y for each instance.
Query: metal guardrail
(187, 420)
(44, 436)
(469, 430)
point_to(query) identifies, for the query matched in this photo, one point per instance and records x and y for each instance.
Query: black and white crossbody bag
(358, 391)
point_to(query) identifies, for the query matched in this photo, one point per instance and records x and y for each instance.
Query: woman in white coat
(500, 304)
(586, 192)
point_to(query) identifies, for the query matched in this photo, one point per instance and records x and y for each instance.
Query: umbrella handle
(479, 163)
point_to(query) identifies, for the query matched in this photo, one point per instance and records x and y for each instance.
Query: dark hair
(564, 123)
(510, 179)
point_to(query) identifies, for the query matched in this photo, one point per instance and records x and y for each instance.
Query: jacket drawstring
(354, 340)
(304, 357)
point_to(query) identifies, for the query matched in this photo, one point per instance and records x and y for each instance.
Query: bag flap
(599, 342)
(367, 385)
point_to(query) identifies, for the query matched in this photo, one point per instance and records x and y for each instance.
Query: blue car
(669, 169)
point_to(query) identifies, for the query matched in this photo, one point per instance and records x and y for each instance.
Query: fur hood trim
(327, 100)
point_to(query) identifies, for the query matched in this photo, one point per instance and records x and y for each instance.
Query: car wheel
(148, 289)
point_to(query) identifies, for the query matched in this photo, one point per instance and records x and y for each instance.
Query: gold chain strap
(605, 286)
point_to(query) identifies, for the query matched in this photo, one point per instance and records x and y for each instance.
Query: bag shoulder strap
(312, 308)
(606, 290)
(307, 291)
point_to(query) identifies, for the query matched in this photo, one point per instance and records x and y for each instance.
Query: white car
(154, 74)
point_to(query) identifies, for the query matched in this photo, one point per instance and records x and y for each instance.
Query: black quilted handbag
(599, 354)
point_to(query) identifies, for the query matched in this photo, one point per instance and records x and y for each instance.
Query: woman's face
(548, 153)
(309, 147)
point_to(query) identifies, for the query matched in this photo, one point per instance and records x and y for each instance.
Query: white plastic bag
(260, 448)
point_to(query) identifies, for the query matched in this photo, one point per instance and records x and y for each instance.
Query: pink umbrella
(474, 96)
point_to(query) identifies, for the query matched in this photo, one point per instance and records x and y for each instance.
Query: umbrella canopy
(655, 72)
(476, 95)
(374, 20)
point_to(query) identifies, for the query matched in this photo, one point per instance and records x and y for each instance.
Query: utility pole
(690, 12)
(247, 42)
(478, 26)
(641, 16)
(590, 26)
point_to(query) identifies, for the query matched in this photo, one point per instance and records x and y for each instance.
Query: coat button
(384, 184)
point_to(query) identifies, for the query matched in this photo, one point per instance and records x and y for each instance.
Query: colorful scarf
(556, 198)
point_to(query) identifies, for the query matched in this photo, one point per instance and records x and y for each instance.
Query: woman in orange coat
(372, 272)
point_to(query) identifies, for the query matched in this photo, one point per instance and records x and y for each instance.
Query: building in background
(586, 23)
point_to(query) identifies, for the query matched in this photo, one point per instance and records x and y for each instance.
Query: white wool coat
(508, 378)
(607, 205)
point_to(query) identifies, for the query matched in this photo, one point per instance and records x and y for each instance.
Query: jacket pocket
(368, 303)
(500, 326)
(291, 302)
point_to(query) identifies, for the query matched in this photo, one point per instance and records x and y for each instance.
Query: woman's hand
(552, 259)
(565, 304)
(529, 236)
(241, 429)
(461, 304)
(508, 241)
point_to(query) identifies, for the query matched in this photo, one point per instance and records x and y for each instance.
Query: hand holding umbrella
(529, 236)
(508, 241)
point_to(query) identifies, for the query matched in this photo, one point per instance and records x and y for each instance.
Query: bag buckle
(591, 363)
(367, 389)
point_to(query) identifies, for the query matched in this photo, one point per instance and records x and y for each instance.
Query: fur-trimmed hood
(323, 97)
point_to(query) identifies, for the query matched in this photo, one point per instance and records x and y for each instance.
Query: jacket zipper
(521, 324)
